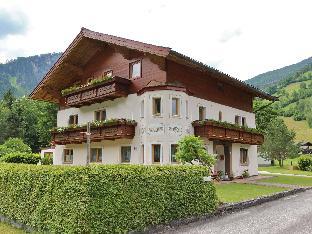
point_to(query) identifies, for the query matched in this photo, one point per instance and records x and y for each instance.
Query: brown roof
(89, 41)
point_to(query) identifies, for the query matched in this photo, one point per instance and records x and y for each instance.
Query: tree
(265, 113)
(14, 145)
(191, 149)
(279, 142)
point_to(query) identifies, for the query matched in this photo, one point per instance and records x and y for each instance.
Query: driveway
(291, 214)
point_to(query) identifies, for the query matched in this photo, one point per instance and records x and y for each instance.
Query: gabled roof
(89, 41)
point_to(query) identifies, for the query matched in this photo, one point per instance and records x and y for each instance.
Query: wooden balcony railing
(216, 131)
(121, 130)
(114, 88)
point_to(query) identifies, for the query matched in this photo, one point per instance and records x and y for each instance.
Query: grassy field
(7, 229)
(284, 170)
(294, 180)
(235, 192)
(295, 86)
(303, 132)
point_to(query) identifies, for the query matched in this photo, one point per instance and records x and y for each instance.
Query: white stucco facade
(164, 129)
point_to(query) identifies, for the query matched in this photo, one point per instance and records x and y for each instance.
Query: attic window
(135, 69)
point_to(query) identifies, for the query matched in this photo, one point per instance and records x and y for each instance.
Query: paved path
(276, 173)
(287, 215)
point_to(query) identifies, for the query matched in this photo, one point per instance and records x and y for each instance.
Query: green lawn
(284, 170)
(294, 180)
(7, 229)
(235, 192)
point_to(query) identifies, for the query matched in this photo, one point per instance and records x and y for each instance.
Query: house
(305, 147)
(141, 99)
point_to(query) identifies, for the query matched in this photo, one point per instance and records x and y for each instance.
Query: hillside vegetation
(270, 78)
(21, 75)
(295, 101)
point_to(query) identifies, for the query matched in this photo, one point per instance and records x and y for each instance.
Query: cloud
(228, 35)
(12, 23)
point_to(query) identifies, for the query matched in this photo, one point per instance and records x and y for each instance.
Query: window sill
(157, 116)
(67, 162)
(244, 164)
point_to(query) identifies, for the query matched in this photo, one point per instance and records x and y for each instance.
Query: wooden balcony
(109, 90)
(216, 131)
(98, 133)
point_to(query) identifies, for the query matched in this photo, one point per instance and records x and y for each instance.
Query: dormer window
(135, 69)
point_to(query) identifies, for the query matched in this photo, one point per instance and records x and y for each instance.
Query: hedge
(102, 198)
(305, 163)
(20, 157)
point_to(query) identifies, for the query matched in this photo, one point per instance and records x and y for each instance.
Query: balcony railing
(76, 135)
(214, 130)
(114, 88)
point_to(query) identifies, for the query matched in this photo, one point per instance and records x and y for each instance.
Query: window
(237, 120)
(220, 115)
(156, 106)
(201, 113)
(125, 154)
(135, 69)
(175, 106)
(243, 156)
(73, 120)
(100, 115)
(68, 155)
(244, 121)
(156, 153)
(96, 155)
(142, 109)
(173, 151)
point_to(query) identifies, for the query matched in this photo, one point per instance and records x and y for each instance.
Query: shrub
(47, 160)
(192, 148)
(309, 120)
(14, 145)
(102, 198)
(18, 157)
(305, 162)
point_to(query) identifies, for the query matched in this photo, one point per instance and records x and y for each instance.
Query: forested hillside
(21, 75)
(265, 80)
(295, 102)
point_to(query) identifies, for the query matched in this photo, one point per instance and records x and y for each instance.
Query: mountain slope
(21, 75)
(270, 78)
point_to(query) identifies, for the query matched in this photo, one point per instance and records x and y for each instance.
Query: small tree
(191, 149)
(13, 145)
(279, 142)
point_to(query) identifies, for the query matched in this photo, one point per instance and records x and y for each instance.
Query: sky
(242, 38)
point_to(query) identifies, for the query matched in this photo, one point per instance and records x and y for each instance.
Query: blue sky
(242, 38)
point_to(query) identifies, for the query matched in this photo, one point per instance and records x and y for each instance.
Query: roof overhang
(87, 43)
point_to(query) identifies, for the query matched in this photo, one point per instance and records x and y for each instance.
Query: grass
(294, 180)
(286, 169)
(7, 229)
(235, 192)
(295, 86)
(303, 132)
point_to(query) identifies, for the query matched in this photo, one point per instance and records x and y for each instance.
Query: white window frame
(95, 147)
(170, 152)
(120, 155)
(179, 102)
(205, 112)
(161, 153)
(160, 115)
(101, 112)
(69, 162)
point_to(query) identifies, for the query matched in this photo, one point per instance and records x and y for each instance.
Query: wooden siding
(206, 86)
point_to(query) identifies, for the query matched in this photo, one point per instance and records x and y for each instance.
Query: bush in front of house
(14, 145)
(46, 160)
(19, 157)
(103, 198)
(305, 163)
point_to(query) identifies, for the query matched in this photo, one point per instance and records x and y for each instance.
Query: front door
(227, 158)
